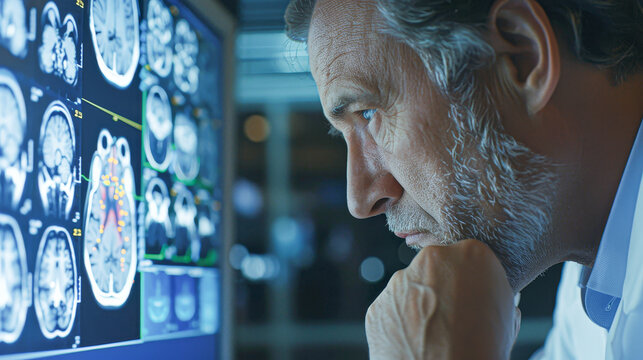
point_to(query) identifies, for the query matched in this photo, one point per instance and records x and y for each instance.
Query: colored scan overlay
(110, 174)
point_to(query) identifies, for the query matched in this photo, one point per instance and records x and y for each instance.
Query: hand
(451, 302)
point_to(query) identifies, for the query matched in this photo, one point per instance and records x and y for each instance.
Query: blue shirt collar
(602, 285)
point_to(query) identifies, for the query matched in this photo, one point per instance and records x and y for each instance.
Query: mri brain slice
(115, 34)
(58, 52)
(158, 130)
(186, 51)
(13, 27)
(55, 288)
(158, 225)
(57, 147)
(14, 292)
(159, 37)
(13, 124)
(186, 159)
(110, 232)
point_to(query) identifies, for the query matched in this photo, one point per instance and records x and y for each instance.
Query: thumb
(517, 319)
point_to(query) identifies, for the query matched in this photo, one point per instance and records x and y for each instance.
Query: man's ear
(526, 45)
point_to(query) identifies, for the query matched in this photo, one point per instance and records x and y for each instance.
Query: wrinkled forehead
(340, 31)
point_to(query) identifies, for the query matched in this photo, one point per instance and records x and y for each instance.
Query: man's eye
(368, 114)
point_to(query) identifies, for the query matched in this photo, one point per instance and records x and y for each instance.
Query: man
(500, 137)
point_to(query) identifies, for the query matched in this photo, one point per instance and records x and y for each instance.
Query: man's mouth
(417, 240)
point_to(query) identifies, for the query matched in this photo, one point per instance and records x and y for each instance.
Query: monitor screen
(111, 180)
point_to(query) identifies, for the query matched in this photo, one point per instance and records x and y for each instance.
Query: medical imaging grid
(110, 174)
(40, 112)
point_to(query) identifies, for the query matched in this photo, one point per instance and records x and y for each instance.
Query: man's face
(406, 156)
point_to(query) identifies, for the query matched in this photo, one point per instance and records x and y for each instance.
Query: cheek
(424, 172)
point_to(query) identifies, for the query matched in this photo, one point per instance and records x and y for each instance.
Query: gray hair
(448, 34)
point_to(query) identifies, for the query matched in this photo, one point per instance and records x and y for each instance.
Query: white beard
(501, 194)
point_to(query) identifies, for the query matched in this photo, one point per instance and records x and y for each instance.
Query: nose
(370, 185)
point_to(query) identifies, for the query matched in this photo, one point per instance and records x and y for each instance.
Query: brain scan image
(207, 221)
(186, 159)
(13, 127)
(209, 302)
(55, 289)
(14, 291)
(158, 130)
(56, 171)
(186, 50)
(58, 51)
(115, 34)
(158, 225)
(186, 235)
(13, 27)
(110, 224)
(159, 37)
(158, 297)
(184, 298)
(208, 153)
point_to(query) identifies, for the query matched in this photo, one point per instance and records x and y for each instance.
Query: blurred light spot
(247, 198)
(260, 267)
(293, 239)
(405, 253)
(256, 128)
(236, 255)
(372, 269)
(340, 243)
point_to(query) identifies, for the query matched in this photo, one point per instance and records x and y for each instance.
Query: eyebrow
(340, 106)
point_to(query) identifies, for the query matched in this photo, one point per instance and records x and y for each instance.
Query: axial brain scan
(208, 153)
(159, 37)
(186, 235)
(55, 290)
(13, 125)
(157, 133)
(157, 219)
(14, 292)
(110, 224)
(186, 50)
(115, 34)
(158, 304)
(185, 298)
(59, 43)
(186, 160)
(56, 167)
(13, 27)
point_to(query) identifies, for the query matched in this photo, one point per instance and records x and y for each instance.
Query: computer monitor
(114, 178)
